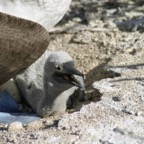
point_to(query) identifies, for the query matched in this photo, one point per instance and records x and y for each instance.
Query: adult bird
(24, 26)
(45, 12)
(48, 83)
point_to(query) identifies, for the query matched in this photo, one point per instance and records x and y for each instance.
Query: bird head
(61, 72)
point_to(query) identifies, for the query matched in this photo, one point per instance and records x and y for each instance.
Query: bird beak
(72, 75)
(74, 71)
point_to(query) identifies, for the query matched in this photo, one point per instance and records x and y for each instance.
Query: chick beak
(71, 75)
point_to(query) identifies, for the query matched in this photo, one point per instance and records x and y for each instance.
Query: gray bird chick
(52, 84)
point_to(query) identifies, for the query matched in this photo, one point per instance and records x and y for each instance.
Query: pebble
(116, 99)
(15, 126)
(34, 125)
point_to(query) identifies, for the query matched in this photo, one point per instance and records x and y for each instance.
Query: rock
(34, 125)
(82, 38)
(127, 120)
(16, 126)
(132, 25)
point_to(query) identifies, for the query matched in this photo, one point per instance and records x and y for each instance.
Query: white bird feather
(45, 12)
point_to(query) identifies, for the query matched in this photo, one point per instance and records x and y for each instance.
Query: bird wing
(45, 12)
(22, 42)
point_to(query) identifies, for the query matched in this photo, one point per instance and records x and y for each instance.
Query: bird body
(49, 82)
(45, 12)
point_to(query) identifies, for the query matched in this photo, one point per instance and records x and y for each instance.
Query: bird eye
(59, 68)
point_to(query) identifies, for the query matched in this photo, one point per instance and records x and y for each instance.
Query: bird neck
(50, 99)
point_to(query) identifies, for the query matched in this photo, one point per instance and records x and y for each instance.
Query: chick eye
(59, 68)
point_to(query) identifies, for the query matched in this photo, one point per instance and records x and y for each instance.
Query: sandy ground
(93, 32)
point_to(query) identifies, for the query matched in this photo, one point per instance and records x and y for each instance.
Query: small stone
(131, 51)
(15, 126)
(33, 136)
(128, 111)
(34, 125)
(82, 38)
(116, 99)
(139, 113)
(77, 20)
